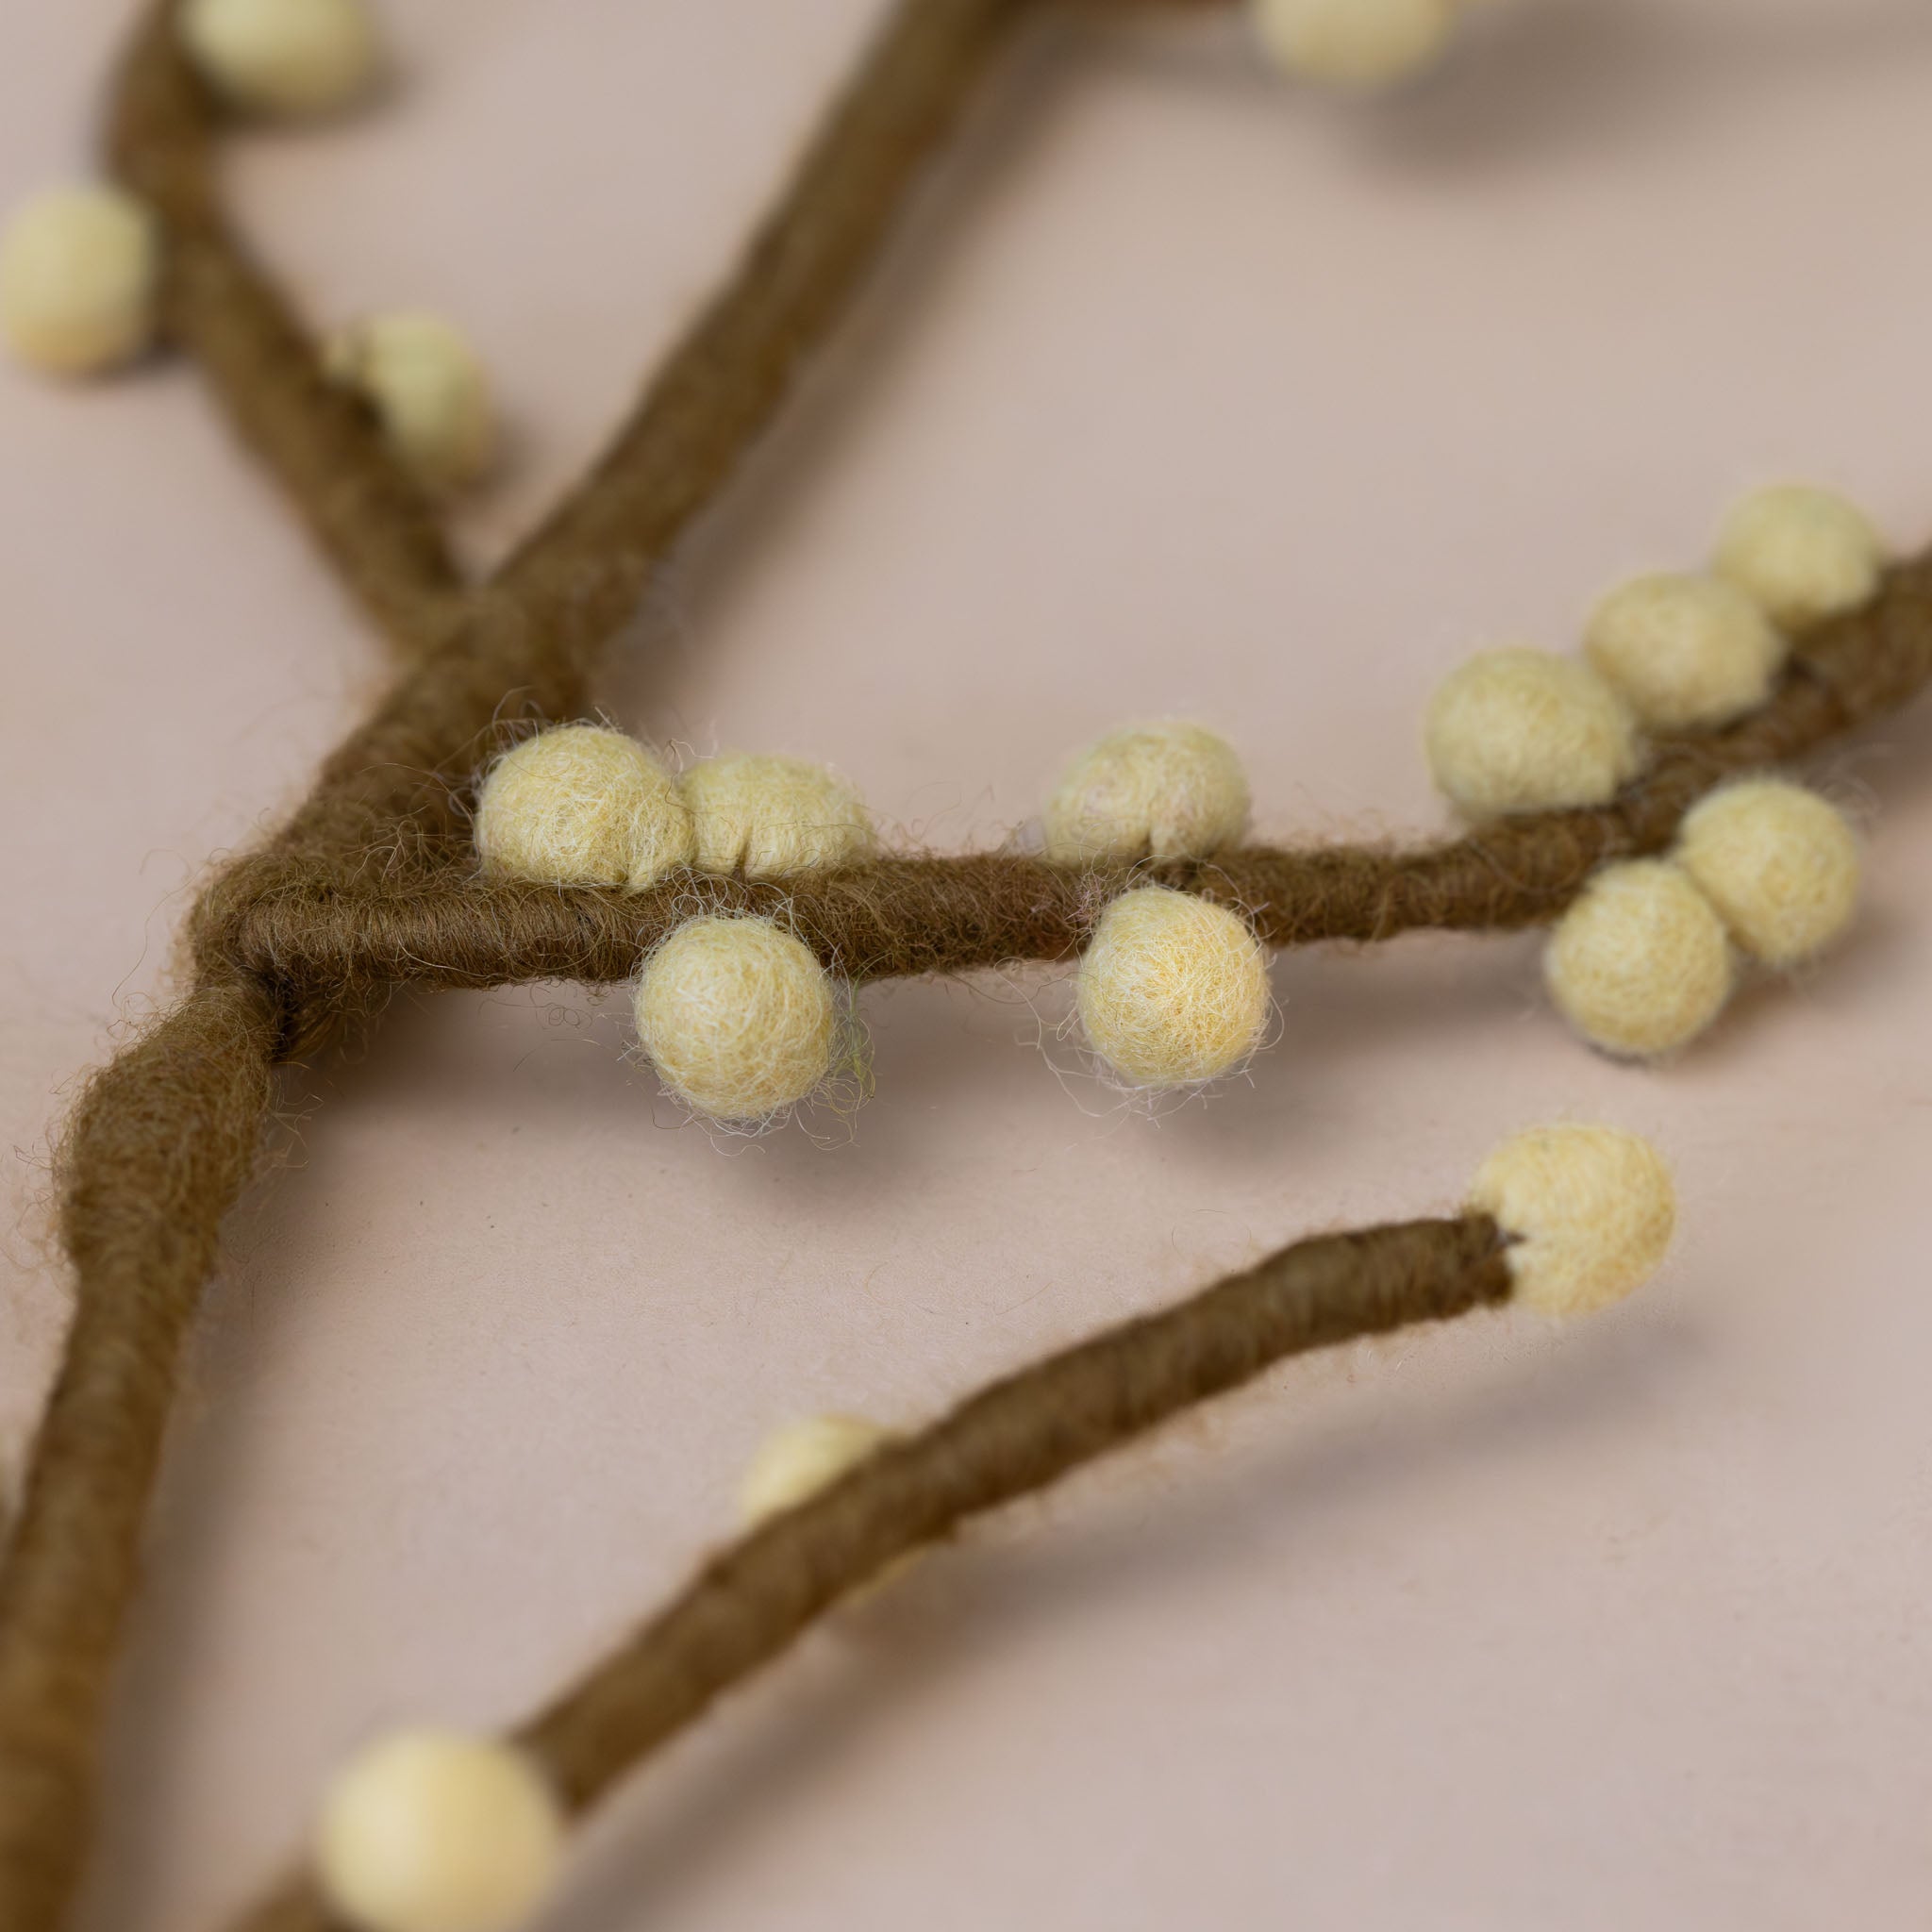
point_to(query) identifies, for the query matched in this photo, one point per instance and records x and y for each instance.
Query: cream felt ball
(429, 391)
(1171, 991)
(79, 269)
(283, 57)
(766, 815)
(1685, 651)
(1803, 554)
(1640, 964)
(1590, 1213)
(1353, 45)
(1780, 864)
(1164, 790)
(430, 1831)
(1518, 730)
(738, 1017)
(584, 805)
(794, 1463)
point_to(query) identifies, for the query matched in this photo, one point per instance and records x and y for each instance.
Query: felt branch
(369, 885)
(753, 1600)
(167, 1135)
(327, 938)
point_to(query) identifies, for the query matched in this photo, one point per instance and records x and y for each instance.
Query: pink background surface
(1192, 395)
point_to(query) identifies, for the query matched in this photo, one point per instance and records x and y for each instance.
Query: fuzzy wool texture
(796, 1462)
(165, 1136)
(1801, 553)
(1780, 864)
(433, 1831)
(1355, 45)
(738, 1017)
(79, 270)
(582, 806)
(279, 57)
(1590, 1213)
(1684, 653)
(1640, 965)
(766, 815)
(1519, 730)
(1173, 991)
(1170, 790)
(430, 391)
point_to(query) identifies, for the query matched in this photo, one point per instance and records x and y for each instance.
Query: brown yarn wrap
(330, 939)
(166, 1138)
(753, 1600)
(369, 884)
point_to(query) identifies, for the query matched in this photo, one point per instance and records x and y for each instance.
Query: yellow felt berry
(283, 57)
(1803, 554)
(584, 805)
(794, 1463)
(737, 1016)
(429, 389)
(1780, 864)
(1685, 652)
(1354, 45)
(1164, 790)
(1518, 730)
(767, 815)
(1640, 964)
(1171, 991)
(1590, 1213)
(429, 1831)
(78, 273)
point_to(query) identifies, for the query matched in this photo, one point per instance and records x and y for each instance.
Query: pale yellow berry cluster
(737, 1015)
(1172, 991)
(581, 805)
(1522, 730)
(1356, 46)
(81, 267)
(1647, 957)
(739, 1018)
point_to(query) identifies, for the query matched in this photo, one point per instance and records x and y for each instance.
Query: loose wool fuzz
(1803, 554)
(1164, 790)
(582, 806)
(1780, 864)
(78, 273)
(1590, 1213)
(429, 389)
(429, 1831)
(1521, 730)
(1639, 965)
(738, 1017)
(794, 1463)
(1171, 991)
(766, 815)
(283, 57)
(1354, 45)
(1685, 652)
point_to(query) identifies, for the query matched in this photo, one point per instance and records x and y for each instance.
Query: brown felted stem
(750, 1603)
(584, 570)
(376, 526)
(167, 1134)
(157, 1151)
(537, 624)
(366, 886)
(326, 936)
